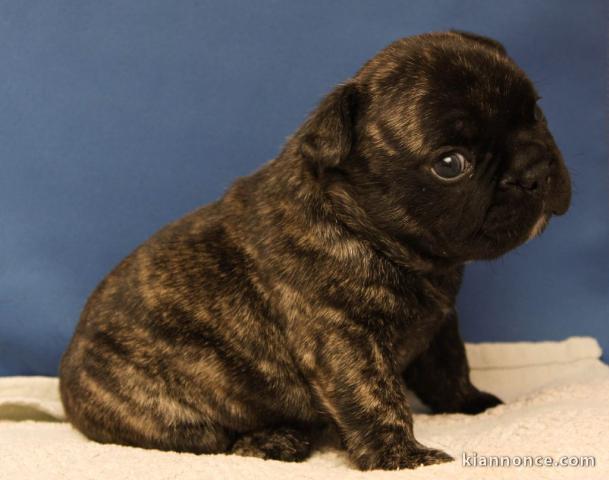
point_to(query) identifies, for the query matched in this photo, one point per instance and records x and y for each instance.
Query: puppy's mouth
(506, 227)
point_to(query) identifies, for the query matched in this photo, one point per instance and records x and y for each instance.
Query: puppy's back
(114, 374)
(179, 348)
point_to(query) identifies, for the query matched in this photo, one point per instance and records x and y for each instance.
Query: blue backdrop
(117, 117)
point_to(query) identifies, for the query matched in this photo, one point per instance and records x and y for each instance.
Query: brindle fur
(320, 287)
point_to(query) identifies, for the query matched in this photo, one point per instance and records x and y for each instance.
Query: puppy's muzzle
(536, 171)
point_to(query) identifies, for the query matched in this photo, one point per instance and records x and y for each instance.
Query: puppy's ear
(489, 42)
(327, 136)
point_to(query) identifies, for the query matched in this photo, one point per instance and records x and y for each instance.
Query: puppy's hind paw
(283, 443)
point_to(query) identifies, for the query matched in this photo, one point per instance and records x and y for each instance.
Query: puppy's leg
(440, 376)
(288, 444)
(358, 387)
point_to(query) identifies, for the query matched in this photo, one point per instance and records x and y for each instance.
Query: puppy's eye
(450, 166)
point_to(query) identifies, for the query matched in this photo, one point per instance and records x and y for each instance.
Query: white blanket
(557, 405)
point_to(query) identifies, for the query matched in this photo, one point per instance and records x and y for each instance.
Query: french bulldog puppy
(321, 287)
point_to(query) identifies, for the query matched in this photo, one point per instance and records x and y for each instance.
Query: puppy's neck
(347, 210)
(317, 201)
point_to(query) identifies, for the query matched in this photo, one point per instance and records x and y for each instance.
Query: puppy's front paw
(478, 402)
(410, 456)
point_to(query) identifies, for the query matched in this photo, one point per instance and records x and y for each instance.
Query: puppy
(316, 290)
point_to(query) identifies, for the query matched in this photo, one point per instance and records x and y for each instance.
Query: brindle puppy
(320, 287)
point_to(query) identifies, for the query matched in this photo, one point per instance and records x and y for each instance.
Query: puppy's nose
(528, 171)
(531, 180)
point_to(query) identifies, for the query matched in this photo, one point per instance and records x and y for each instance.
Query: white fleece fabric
(557, 405)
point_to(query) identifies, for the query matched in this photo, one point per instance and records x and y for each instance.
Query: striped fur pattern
(318, 288)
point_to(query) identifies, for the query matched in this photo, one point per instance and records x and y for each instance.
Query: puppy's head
(440, 142)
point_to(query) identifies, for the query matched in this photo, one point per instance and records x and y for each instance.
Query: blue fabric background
(117, 117)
